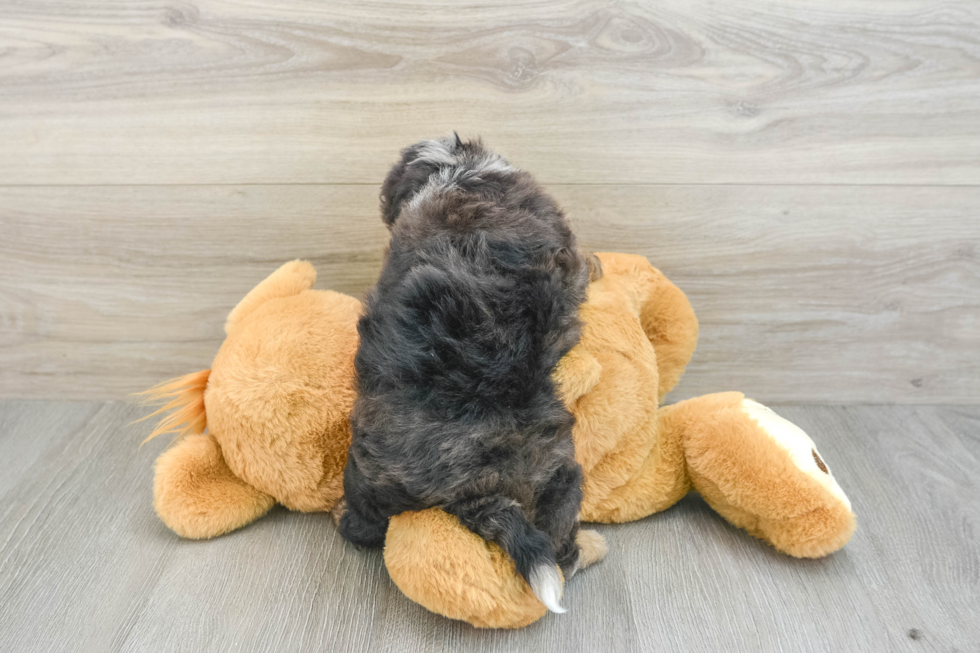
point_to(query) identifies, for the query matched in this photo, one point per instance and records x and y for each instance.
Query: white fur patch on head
(457, 164)
(491, 162)
(439, 182)
(439, 151)
(546, 585)
(801, 449)
(447, 152)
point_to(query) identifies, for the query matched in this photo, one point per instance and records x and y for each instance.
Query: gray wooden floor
(86, 566)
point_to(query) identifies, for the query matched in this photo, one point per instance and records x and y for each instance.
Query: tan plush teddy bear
(276, 405)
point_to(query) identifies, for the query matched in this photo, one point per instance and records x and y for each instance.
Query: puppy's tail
(501, 520)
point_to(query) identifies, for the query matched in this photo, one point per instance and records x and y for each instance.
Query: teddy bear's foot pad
(799, 446)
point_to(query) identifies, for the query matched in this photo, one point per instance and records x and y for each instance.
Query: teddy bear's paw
(799, 446)
(592, 548)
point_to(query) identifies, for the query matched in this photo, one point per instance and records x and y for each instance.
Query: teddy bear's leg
(197, 496)
(762, 473)
(665, 315)
(447, 568)
(441, 564)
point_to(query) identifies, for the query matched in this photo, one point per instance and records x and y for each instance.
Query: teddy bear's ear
(290, 279)
(577, 373)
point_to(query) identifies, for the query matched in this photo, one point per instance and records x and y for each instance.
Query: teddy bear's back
(280, 394)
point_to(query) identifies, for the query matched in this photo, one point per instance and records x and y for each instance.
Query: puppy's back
(476, 304)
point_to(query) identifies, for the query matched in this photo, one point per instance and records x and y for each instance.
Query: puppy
(475, 305)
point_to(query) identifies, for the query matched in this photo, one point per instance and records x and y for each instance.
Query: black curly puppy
(476, 303)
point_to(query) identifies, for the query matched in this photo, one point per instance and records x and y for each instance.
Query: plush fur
(475, 305)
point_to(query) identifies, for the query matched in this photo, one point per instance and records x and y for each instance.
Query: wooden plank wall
(808, 172)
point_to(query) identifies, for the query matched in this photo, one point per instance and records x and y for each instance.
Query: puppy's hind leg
(361, 530)
(360, 523)
(557, 511)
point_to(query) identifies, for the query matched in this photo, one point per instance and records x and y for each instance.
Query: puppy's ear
(572, 265)
(408, 176)
(404, 179)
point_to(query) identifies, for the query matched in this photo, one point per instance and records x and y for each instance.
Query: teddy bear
(269, 423)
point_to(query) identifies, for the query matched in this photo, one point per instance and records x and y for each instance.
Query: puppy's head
(449, 156)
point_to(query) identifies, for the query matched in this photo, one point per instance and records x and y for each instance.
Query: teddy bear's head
(275, 403)
(280, 394)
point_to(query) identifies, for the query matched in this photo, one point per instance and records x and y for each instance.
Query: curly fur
(476, 304)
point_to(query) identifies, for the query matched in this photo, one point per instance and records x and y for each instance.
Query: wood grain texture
(579, 91)
(86, 565)
(834, 294)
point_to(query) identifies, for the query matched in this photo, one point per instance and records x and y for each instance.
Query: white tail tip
(546, 585)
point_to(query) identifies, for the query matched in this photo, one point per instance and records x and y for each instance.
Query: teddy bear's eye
(819, 460)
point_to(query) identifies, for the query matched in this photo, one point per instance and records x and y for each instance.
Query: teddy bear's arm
(576, 374)
(665, 314)
(670, 324)
(197, 496)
